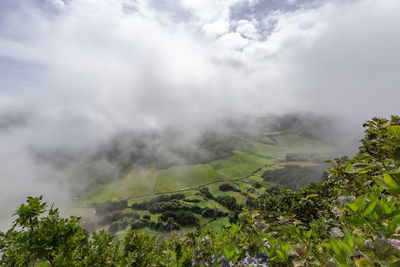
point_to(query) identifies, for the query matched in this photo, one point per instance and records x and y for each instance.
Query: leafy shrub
(228, 187)
(183, 218)
(205, 192)
(228, 202)
(212, 213)
(163, 198)
(196, 209)
(257, 185)
(139, 224)
(167, 206)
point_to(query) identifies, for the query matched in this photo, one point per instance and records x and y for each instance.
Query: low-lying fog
(79, 78)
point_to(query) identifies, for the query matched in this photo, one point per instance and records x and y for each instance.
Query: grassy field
(291, 143)
(182, 177)
(252, 156)
(103, 193)
(137, 182)
(252, 153)
(240, 165)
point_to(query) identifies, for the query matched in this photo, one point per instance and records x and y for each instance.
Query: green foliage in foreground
(350, 219)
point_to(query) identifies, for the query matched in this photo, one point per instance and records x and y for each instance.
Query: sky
(75, 72)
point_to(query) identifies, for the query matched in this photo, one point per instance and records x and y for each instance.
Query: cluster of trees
(229, 202)
(228, 187)
(174, 214)
(145, 205)
(139, 224)
(167, 206)
(183, 218)
(212, 213)
(205, 192)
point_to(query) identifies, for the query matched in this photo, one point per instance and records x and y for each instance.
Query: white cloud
(215, 29)
(59, 4)
(233, 41)
(248, 29)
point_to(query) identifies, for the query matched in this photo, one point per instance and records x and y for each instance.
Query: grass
(240, 165)
(258, 149)
(103, 193)
(251, 157)
(182, 177)
(292, 143)
(135, 183)
(267, 140)
(214, 190)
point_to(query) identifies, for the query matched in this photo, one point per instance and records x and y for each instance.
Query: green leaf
(335, 247)
(356, 221)
(394, 130)
(394, 223)
(390, 181)
(380, 182)
(369, 209)
(394, 191)
(363, 262)
(396, 154)
(281, 255)
(357, 204)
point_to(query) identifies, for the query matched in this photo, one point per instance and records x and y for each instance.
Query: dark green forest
(350, 218)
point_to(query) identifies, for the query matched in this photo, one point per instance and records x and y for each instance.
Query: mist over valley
(114, 100)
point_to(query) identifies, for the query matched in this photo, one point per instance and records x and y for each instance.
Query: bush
(228, 202)
(166, 206)
(257, 185)
(205, 192)
(228, 187)
(139, 224)
(212, 213)
(196, 209)
(183, 218)
(163, 198)
(251, 202)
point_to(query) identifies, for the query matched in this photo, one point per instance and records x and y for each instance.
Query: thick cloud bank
(74, 73)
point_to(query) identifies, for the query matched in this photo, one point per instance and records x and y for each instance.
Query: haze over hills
(237, 165)
(90, 91)
(199, 133)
